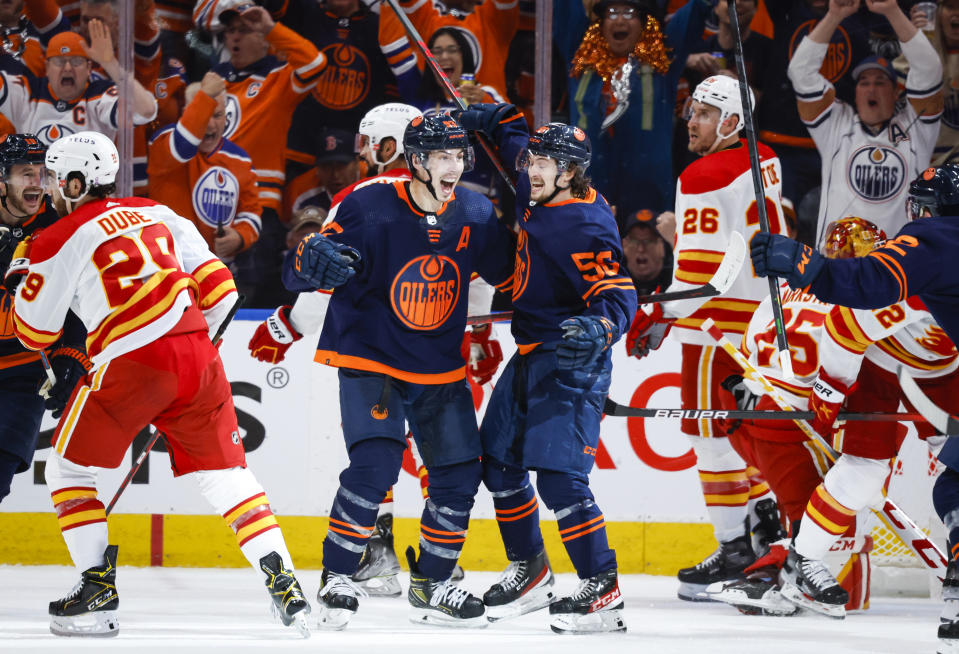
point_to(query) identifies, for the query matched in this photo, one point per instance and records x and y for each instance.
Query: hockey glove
(584, 340)
(648, 331)
(826, 399)
(746, 400)
(70, 365)
(7, 242)
(274, 336)
(485, 355)
(775, 255)
(486, 117)
(324, 263)
(18, 267)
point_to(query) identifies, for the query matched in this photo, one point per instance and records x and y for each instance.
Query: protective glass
(915, 208)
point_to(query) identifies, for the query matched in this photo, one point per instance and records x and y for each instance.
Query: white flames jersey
(714, 198)
(128, 268)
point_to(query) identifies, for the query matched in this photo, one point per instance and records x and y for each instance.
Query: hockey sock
(446, 517)
(582, 527)
(758, 487)
(945, 497)
(374, 467)
(726, 487)
(82, 517)
(237, 496)
(824, 521)
(517, 511)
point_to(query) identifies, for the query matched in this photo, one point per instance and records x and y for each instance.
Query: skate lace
(708, 561)
(513, 574)
(73, 594)
(451, 595)
(586, 588)
(342, 585)
(817, 573)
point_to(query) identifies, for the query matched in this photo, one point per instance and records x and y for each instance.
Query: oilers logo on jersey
(876, 173)
(425, 291)
(215, 196)
(345, 82)
(521, 271)
(53, 131)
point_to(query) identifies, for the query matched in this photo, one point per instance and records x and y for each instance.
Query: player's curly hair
(102, 192)
(579, 185)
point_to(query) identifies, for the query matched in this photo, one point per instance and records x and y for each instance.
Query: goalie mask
(851, 237)
(936, 190)
(385, 121)
(81, 162)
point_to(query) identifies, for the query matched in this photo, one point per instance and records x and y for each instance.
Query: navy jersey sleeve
(497, 257)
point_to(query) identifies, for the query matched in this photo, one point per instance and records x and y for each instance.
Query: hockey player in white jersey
(715, 197)
(150, 293)
(872, 151)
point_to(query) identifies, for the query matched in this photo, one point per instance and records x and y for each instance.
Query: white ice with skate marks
(196, 610)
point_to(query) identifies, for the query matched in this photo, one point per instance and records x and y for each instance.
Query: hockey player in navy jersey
(571, 301)
(26, 208)
(399, 257)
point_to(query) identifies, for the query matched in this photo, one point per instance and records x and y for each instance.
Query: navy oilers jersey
(404, 312)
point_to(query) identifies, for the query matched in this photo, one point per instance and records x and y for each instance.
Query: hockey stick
(612, 408)
(156, 432)
(51, 378)
(890, 514)
(943, 421)
(499, 316)
(785, 362)
(448, 85)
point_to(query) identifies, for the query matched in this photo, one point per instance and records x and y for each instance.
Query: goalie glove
(485, 355)
(274, 336)
(648, 331)
(826, 399)
(584, 340)
(70, 365)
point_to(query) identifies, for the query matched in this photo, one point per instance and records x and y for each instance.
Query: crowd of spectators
(246, 113)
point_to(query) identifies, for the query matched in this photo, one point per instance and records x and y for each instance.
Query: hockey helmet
(432, 132)
(87, 157)
(21, 149)
(935, 190)
(851, 237)
(387, 121)
(722, 92)
(564, 143)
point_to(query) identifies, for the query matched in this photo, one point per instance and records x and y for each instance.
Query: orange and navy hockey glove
(274, 336)
(648, 331)
(826, 399)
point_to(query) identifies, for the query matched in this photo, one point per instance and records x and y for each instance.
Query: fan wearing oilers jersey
(870, 151)
(572, 299)
(398, 259)
(204, 176)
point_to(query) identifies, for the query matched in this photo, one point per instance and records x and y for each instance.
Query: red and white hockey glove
(826, 400)
(648, 331)
(485, 355)
(274, 336)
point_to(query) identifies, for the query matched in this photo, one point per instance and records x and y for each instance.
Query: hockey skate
(524, 587)
(759, 593)
(441, 602)
(379, 565)
(289, 603)
(949, 619)
(596, 606)
(91, 607)
(337, 600)
(726, 564)
(808, 584)
(768, 529)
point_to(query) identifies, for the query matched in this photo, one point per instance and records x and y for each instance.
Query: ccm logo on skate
(605, 600)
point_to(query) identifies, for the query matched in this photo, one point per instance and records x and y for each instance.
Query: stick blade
(941, 420)
(731, 264)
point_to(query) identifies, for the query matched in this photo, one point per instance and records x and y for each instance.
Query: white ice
(192, 610)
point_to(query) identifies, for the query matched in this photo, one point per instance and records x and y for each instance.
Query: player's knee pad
(60, 473)
(716, 454)
(454, 486)
(561, 490)
(375, 466)
(499, 477)
(224, 489)
(945, 497)
(855, 481)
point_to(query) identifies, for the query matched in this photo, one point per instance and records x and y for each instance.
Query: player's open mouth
(620, 35)
(31, 197)
(536, 187)
(447, 186)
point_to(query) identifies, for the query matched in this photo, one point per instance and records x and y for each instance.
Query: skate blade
(301, 625)
(797, 597)
(771, 603)
(534, 600)
(608, 621)
(97, 624)
(383, 586)
(697, 592)
(948, 646)
(333, 619)
(433, 617)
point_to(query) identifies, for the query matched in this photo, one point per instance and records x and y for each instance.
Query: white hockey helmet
(722, 92)
(89, 157)
(387, 120)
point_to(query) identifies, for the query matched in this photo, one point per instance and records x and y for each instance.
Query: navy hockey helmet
(21, 149)
(936, 190)
(564, 143)
(433, 132)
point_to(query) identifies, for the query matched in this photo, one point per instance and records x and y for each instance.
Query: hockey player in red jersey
(150, 293)
(714, 197)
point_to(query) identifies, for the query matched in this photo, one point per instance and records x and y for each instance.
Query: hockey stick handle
(499, 316)
(47, 368)
(240, 299)
(414, 36)
(785, 361)
(612, 408)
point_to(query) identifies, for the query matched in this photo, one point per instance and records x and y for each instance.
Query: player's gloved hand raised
(70, 365)
(648, 331)
(585, 338)
(324, 263)
(486, 117)
(18, 267)
(825, 401)
(274, 336)
(485, 355)
(775, 255)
